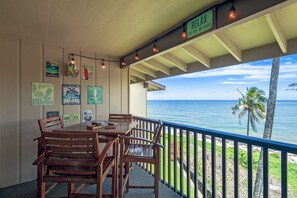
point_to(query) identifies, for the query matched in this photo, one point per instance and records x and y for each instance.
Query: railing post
(213, 165)
(284, 177)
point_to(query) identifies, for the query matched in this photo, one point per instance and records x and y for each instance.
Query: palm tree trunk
(268, 123)
(248, 125)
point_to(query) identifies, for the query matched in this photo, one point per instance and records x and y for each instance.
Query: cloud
(236, 83)
(247, 72)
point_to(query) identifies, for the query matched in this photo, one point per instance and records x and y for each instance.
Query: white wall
(138, 100)
(23, 62)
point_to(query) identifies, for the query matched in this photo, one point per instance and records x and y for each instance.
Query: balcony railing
(194, 158)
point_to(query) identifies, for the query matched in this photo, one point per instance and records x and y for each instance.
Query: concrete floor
(138, 177)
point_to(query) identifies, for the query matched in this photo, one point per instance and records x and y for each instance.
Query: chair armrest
(142, 139)
(40, 159)
(139, 129)
(38, 138)
(103, 154)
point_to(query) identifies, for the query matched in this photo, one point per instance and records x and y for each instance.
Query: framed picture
(70, 94)
(51, 70)
(94, 94)
(87, 72)
(71, 117)
(50, 114)
(87, 115)
(42, 94)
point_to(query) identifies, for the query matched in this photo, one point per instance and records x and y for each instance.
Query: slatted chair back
(158, 129)
(120, 117)
(71, 153)
(49, 124)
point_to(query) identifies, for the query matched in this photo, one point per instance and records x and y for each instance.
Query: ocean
(217, 114)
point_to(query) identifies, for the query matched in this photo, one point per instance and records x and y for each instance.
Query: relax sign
(200, 24)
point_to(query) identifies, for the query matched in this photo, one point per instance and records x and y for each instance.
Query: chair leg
(40, 183)
(99, 183)
(70, 189)
(127, 171)
(156, 183)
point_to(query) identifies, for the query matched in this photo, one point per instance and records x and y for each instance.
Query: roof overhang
(268, 33)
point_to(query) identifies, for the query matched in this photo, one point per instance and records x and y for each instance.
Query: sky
(222, 83)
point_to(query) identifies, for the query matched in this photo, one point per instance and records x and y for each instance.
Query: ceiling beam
(277, 31)
(229, 45)
(145, 70)
(158, 66)
(133, 78)
(174, 61)
(137, 74)
(192, 51)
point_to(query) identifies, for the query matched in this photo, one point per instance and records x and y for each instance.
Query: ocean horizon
(217, 115)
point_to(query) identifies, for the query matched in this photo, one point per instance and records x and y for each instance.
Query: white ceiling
(105, 27)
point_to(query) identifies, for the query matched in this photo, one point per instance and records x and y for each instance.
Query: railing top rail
(270, 144)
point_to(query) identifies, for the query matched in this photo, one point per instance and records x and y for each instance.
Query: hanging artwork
(94, 94)
(87, 72)
(70, 94)
(50, 114)
(71, 117)
(42, 94)
(87, 115)
(72, 70)
(51, 70)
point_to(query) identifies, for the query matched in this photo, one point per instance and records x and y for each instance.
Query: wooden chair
(47, 125)
(148, 151)
(73, 157)
(120, 117)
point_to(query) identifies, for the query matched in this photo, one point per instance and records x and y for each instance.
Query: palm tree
(254, 104)
(292, 87)
(268, 123)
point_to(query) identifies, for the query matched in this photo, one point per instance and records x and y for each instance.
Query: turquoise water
(217, 115)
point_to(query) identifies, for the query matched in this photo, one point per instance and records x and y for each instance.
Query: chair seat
(140, 150)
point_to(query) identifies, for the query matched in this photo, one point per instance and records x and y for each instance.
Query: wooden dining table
(121, 129)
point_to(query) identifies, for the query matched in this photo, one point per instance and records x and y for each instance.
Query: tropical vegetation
(254, 104)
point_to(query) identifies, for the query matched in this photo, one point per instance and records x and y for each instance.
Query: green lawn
(274, 164)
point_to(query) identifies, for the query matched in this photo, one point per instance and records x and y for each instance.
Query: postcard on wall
(94, 94)
(50, 114)
(51, 70)
(71, 117)
(42, 94)
(87, 115)
(87, 72)
(70, 94)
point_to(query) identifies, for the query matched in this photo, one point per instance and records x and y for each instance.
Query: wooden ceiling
(105, 27)
(270, 33)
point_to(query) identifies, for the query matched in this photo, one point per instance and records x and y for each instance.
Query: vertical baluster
(181, 162)
(250, 171)
(175, 168)
(188, 165)
(265, 172)
(224, 178)
(204, 186)
(284, 164)
(213, 165)
(169, 156)
(140, 133)
(164, 155)
(236, 170)
(195, 165)
(150, 137)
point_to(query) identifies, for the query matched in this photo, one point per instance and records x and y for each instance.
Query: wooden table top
(121, 128)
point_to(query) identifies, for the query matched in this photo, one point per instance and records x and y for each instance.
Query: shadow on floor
(138, 177)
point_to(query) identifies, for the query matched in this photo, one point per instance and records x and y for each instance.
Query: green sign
(200, 24)
(42, 94)
(71, 117)
(94, 94)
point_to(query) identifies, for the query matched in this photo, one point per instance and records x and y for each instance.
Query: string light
(123, 63)
(232, 14)
(155, 48)
(136, 57)
(184, 33)
(103, 65)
